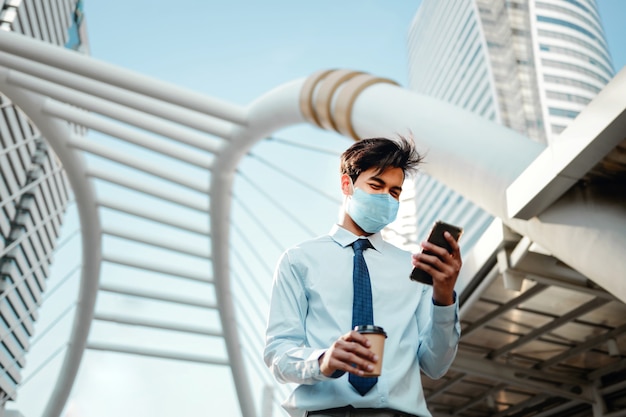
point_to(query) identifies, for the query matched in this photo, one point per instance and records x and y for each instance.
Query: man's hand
(350, 349)
(443, 266)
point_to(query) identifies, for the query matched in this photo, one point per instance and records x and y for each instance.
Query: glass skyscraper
(527, 64)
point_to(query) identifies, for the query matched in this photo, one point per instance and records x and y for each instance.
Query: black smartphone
(436, 237)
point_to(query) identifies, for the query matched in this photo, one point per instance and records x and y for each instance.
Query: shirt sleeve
(439, 332)
(286, 352)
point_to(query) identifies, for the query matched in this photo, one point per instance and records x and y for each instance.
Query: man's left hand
(443, 266)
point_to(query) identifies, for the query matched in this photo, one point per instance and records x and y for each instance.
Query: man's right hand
(349, 350)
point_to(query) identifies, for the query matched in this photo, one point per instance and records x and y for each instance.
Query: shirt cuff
(444, 305)
(445, 314)
(318, 375)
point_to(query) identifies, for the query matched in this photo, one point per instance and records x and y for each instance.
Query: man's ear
(346, 184)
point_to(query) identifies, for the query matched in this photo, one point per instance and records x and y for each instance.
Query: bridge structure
(542, 292)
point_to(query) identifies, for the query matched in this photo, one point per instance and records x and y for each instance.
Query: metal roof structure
(542, 293)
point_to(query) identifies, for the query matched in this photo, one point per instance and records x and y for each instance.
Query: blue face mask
(372, 212)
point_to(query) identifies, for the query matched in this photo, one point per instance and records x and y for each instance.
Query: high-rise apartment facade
(530, 65)
(34, 192)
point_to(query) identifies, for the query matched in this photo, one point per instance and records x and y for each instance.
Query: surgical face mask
(371, 212)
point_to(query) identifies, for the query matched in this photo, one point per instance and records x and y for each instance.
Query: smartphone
(436, 237)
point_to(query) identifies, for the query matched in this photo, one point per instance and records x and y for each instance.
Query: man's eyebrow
(376, 179)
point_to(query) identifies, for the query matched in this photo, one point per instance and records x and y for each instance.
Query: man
(309, 340)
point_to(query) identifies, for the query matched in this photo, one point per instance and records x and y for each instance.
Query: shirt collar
(345, 238)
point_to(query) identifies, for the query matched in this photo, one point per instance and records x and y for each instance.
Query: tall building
(34, 192)
(527, 64)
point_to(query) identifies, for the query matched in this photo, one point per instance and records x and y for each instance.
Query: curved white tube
(585, 228)
(56, 133)
(272, 111)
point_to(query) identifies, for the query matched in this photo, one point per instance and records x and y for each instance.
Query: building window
(574, 40)
(578, 16)
(574, 68)
(576, 54)
(571, 82)
(572, 98)
(561, 22)
(73, 31)
(571, 114)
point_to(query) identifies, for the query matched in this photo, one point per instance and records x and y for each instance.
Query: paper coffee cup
(376, 335)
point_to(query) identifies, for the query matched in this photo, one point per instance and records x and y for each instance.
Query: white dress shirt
(311, 306)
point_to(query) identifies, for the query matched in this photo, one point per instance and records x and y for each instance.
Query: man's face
(389, 181)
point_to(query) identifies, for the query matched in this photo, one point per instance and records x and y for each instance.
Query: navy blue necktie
(362, 311)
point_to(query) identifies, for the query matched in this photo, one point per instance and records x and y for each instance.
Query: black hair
(381, 153)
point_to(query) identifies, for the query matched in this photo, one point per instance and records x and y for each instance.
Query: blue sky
(613, 13)
(238, 50)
